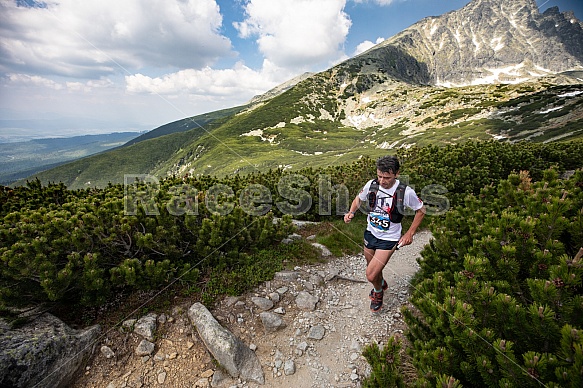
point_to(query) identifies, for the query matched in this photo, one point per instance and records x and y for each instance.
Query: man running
(386, 199)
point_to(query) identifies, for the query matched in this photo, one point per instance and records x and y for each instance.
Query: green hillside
(336, 117)
(185, 124)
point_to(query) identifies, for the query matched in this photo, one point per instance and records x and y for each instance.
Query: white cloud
(379, 2)
(238, 81)
(362, 47)
(33, 80)
(294, 33)
(91, 38)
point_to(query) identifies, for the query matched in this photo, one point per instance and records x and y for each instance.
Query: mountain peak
(488, 41)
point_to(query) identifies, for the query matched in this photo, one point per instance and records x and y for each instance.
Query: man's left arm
(407, 238)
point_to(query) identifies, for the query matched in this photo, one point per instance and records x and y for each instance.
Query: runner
(385, 198)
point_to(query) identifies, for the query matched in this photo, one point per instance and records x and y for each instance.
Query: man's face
(386, 179)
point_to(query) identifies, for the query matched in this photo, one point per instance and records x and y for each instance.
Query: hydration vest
(398, 206)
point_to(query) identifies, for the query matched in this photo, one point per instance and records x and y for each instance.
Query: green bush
(498, 300)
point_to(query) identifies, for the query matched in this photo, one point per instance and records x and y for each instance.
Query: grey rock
(282, 290)
(287, 276)
(306, 301)
(128, 325)
(303, 346)
(146, 326)
(231, 353)
(325, 251)
(279, 310)
(231, 300)
(44, 353)
(294, 236)
(316, 280)
(219, 377)
(162, 319)
(145, 348)
(274, 296)
(331, 274)
(271, 322)
(289, 368)
(107, 352)
(263, 303)
(316, 332)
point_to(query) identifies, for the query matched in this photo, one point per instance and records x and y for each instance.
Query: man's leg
(376, 260)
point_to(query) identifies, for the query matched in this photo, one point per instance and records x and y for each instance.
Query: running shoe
(376, 300)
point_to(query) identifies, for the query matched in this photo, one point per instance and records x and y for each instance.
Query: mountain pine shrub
(498, 300)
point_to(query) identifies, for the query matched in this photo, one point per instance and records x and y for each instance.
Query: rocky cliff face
(486, 41)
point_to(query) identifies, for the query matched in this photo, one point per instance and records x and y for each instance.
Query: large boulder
(231, 353)
(44, 353)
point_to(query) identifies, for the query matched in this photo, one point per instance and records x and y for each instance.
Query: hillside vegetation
(336, 117)
(498, 298)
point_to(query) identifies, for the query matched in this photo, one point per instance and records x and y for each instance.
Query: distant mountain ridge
(492, 70)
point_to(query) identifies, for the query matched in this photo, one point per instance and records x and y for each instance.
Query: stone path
(320, 345)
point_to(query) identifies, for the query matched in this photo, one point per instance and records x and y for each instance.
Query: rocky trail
(326, 324)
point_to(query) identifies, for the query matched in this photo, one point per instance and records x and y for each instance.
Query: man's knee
(372, 274)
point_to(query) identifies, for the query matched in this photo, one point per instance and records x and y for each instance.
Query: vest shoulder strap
(398, 206)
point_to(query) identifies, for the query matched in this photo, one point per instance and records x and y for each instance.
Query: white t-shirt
(379, 221)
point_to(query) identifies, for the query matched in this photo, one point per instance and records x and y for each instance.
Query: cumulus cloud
(87, 39)
(379, 2)
(296, 33)
(32, 80)
(362, 47)
(238, 81)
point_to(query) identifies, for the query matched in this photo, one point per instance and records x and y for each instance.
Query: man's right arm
(354, 206)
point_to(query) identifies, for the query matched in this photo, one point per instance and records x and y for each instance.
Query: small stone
(162, 319)
(145, 348)
(201, 383)
(303, 346)
(207, 373)
(274, 296)
(128, 325)
(325, 251)
(306, 301)
(271, 322)
(107, 352)
(286, 276)
(146, 326)
(316, 332)
(161, 378)
(263, 303)
(289, 368)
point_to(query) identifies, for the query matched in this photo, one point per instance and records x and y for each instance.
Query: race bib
(380, 222)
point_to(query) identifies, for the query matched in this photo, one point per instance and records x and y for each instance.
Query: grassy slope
(422, 115)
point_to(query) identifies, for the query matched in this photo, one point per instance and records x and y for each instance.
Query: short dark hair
(388, 164)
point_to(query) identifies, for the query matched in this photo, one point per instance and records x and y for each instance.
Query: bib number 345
(380, 222)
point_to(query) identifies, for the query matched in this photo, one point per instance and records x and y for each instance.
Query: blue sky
(137, 64)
